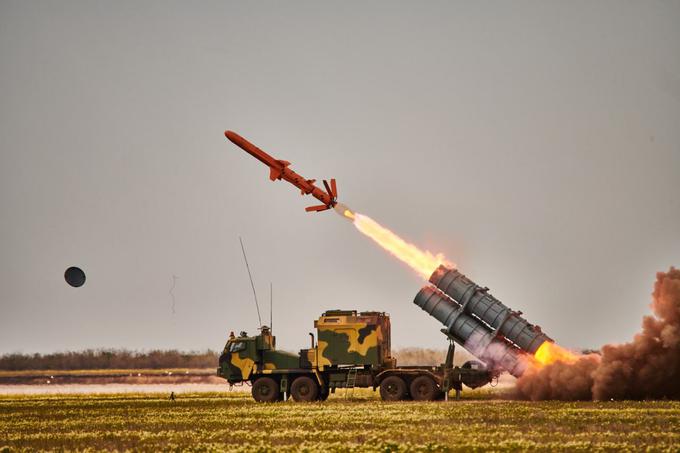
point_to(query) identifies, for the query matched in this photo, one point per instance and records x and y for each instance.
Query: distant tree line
(99, 359)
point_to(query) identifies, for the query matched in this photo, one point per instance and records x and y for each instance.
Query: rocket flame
(421, 261)
(549, 352)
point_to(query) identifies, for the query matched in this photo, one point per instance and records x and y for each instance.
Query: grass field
(231, 421)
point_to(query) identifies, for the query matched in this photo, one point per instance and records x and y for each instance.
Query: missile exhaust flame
(549, 353)
(423, 262)
(344, 211)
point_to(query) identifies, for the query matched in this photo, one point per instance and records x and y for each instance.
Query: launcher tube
(470, 333)
(477, 301)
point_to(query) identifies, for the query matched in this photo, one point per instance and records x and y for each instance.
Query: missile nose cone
(237, 140)
(232, 136)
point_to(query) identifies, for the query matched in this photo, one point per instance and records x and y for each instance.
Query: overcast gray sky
(536, 144)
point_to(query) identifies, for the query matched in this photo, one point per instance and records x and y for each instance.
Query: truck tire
(393, 388)
(304, 388)
(423, 388)
(265, 390)
(324, 394)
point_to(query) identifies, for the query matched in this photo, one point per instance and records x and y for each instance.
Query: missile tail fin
(275, 173)
(334, 188)
(319, 208)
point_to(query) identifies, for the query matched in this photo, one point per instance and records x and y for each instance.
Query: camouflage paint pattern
(245, 356)
(320, 359)
(238, 359)
(348, 338)
(244, 365)
(278, 360)
(308, 358)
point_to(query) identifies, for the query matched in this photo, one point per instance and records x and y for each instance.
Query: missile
(279, 169)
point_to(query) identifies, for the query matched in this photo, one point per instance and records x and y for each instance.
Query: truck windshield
(236, 347)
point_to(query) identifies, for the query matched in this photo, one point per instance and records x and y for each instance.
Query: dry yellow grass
(233, 422)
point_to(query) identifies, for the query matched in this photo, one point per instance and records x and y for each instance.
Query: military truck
(352, 350)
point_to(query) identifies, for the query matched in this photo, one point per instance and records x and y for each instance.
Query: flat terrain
(12, 381)
(106, 372)
(73, 389)
(231, 421)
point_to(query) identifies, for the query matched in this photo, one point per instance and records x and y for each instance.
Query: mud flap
(284, 386)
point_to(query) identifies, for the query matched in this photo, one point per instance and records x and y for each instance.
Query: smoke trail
(647, 367)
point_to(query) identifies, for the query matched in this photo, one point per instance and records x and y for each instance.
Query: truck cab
(244, 355)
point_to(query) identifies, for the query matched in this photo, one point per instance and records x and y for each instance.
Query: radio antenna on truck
(271, 306)
(252, 285)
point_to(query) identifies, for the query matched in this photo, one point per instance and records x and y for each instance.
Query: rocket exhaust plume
(344, 211)
(421, 261)
(647, 367)
(549, 353)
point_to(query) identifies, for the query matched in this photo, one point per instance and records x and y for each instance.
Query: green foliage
(232, 421)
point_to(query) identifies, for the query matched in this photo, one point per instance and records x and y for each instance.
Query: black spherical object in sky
(74, 276)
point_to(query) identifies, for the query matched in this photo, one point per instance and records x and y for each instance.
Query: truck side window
(236, 347)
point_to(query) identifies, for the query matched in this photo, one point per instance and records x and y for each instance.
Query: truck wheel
(324, 394)
(393, 388)
(265, 390)
(304, 388)
(423, 388)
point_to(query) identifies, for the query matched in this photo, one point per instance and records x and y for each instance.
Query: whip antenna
(257, 306)
(271, 306)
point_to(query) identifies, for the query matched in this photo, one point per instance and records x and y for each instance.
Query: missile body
(279, 169)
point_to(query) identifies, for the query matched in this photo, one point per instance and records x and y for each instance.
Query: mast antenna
(252, 285)
(271, 306)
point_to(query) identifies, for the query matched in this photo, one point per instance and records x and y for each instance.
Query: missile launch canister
(476, 301)
(479, 322)
(472, 334)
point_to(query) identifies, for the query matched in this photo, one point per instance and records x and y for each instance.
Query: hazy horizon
(535, 144)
